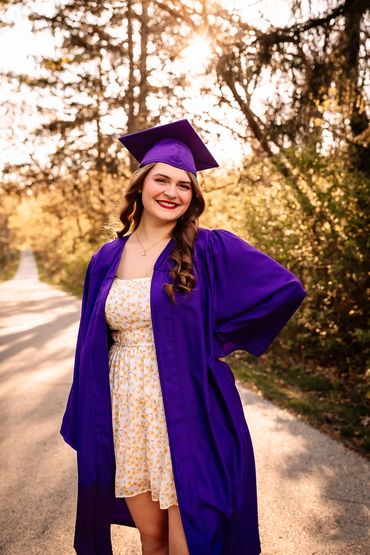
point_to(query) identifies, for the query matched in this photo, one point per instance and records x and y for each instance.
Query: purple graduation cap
(176, 144)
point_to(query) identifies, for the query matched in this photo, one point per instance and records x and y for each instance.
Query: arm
(254, 295)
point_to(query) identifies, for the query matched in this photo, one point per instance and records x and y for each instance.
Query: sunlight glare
(197, 54)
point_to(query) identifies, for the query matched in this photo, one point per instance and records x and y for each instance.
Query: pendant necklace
(146, 250)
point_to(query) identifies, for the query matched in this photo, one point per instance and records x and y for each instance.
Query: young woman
(153, 412)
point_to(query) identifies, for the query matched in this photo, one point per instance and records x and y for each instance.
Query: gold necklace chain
(146, 250)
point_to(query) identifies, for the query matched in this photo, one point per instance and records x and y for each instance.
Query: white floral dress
(143, 460)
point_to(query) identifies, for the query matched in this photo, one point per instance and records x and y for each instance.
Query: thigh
(176, 535)
(149, 518)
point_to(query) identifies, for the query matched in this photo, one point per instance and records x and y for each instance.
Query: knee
(153, 541)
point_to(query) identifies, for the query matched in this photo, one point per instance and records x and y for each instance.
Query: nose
(170, 191)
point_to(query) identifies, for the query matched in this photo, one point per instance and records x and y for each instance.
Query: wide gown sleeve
(69, 423)
(254, 295)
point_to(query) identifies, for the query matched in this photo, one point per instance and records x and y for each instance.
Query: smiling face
(166, 183)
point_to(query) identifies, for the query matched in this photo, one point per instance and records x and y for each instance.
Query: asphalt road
(314, 493)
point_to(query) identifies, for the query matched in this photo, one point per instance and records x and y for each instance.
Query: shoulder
(202, 236)
(109, 247)
(207, 233)
(218, 238)
(219, 244)
(101, 259)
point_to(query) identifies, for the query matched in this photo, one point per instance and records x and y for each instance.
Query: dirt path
(313, 492)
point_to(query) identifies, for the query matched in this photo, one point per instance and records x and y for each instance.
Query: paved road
(313, 492)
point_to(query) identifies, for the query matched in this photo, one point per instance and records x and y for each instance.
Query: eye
(182, 185)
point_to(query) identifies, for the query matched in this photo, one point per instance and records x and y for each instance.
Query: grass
(9, 268)
(69, 281)
(320, 397)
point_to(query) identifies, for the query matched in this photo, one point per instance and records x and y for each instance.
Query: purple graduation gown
(242, 299)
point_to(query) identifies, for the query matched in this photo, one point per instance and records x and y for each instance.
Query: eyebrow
(166, 176)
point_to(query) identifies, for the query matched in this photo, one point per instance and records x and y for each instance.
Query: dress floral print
(143, 460)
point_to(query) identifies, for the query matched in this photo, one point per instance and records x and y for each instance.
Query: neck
(154, 231)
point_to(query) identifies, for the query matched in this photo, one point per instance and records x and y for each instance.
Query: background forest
(292, 97)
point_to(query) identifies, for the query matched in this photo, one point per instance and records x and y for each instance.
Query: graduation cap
(176, 143)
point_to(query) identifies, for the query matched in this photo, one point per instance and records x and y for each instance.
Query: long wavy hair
(184, 232)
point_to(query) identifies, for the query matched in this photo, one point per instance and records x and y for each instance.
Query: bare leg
(152, 523)
(176, 534)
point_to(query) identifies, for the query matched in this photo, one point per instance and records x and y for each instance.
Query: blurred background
(277, 89)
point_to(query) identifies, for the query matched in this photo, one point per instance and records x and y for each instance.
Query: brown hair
(184, 232)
